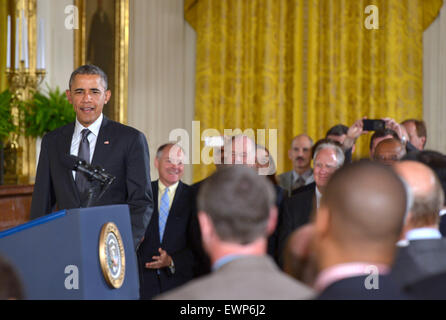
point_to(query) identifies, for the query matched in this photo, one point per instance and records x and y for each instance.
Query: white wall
(59, 42)
(434, 82)
(161, 72)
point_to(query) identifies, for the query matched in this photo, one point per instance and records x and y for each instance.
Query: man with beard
(300, 155)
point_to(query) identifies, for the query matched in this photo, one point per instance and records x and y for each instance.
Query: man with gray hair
(422, 251)
(236, 215)
(298, 209)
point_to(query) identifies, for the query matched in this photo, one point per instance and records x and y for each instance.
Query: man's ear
(107, 96)
(156, 162)
(289, 154)
(206, 225)
(272, 221)
(423, 140)
(69, 98)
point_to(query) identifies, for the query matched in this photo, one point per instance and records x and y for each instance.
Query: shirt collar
(162, 187)
(94, 127)
(347, 270)
(304, 175)
(318, 197)
(224, 260)
(423, 233)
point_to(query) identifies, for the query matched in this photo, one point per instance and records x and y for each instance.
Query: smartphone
(373, 125)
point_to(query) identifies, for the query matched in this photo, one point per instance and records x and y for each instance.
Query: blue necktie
(164, 212)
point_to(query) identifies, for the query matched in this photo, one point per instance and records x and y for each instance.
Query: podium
(85, 253)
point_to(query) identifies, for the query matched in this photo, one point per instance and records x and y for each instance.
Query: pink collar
(347, 270)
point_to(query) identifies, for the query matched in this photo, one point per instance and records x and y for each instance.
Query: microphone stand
(99, 178)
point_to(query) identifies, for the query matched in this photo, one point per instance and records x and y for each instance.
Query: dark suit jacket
(419, 260)
(297, 211)
(443, 225)
(431, 288)
(354, 289)
(179, 240)
(125, 156)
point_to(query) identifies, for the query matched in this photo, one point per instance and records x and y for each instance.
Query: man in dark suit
(236, 214)
(121, 150)
(422, 251)
(297, 210)
(355, 230)
(167, 255)
(302, 173)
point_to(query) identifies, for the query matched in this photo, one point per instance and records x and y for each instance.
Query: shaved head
(389, 151)
(366, 202)
(428, 196)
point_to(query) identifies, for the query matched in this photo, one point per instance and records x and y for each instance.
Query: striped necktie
(164, 212)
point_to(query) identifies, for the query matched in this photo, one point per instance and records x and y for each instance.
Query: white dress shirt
(92, 137)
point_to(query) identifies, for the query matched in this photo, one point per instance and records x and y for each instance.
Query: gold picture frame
(114, 25)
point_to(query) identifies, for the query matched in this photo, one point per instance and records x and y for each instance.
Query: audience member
(355, 235)
(423, 251)
(416, 129)
(389, 151)
(171, 247)
(379, 136)
(297, 210)
(437, 162)
(337, 133)
(11, 287)
(236, 214)
(300, 155)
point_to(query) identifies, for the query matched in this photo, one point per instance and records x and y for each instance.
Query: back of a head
(389, 150)
(426, 191)
(367, 202)
(10, 283)
(434, 160)
(238, 201)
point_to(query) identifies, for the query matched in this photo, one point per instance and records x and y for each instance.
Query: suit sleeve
(139, 188)
(43, 199)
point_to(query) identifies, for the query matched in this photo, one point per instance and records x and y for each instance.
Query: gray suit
(286, 181)
(245, 278)
(419, 260)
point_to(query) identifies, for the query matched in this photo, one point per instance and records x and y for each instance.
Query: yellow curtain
(3, 36)
(304, 66)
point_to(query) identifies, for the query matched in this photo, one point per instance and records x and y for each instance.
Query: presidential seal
(112, 255)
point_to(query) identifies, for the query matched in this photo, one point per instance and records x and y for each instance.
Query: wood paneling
(15, 205)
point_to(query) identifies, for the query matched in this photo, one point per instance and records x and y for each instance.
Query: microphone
(96, 173)
(93, 173)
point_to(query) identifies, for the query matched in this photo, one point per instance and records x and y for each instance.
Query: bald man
(356, 228)
(423, 251)
(300, 155)
(389, 151)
